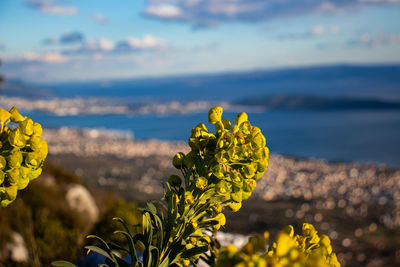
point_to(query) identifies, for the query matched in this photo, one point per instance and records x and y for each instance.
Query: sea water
(356, 136)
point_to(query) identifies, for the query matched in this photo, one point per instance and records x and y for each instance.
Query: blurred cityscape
(103, 106)
(357, 205)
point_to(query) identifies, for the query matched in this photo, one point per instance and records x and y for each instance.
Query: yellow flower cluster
(229, 161)
(220, 171)
(22, 152)
(307, 249)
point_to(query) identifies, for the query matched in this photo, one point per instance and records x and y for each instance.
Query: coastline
(128, 164)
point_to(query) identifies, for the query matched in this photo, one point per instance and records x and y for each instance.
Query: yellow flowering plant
(219, 172)
(288, 249)
(22, 153)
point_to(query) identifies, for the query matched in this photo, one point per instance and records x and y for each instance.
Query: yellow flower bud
(26, 127)
(32, 160)
(289, 230)
(202, 127)
(201, 183)
(284, 243)
(193, 223)
(189, 160)
(214, 115)
(326, 243)
(3, 163)
(235, 206)
(177, 161)
(240, 118)
(308, 230)
(219, 127)
(11, 192)
(207, 239)
(333, 261)
(249, 171)
(231, 248)
(258, 140)
(217, 207)
(13, 176)
(22, 182)
(37, 129)
(294, 254)
(15, 159)
(175, 180)
(6, 195)
(16, 138)
(226, 123)
(223, 188)
(44, 150)
(35, 143)
(15, 115)
(218, 170)
(222, 156)
(249, 185)
(245, 195)
(189, 199)
(266, 235)
(185, 263)
(220, 218)
(236, 195)
(4, 116)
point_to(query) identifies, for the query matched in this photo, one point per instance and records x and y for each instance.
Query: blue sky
(67, 40)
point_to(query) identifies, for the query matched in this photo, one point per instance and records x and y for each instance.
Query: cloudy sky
(64, 40)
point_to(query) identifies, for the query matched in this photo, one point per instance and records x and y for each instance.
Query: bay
(355, 136)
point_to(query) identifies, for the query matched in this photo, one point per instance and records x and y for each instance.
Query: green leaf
(101, 252)
(194, 251)
(63, 264)
(138, 238)
(147, 257)
(114, 246)
(165, 262)
(108, 251)
(155, 256)
(152, 208)
(132, 250)
(123, 224)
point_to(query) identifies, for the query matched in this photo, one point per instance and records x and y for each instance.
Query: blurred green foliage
(51, 229)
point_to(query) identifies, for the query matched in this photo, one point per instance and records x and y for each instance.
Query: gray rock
(80, 200)
(16, 250)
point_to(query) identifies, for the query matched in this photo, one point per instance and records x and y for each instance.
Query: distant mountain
(307, 102)
(379, 81)
(18, 88)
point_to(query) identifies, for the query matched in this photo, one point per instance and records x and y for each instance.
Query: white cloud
(127, 45)
(314, 31)
(367, 39)
(51, 7)
(317, 30)
(100, 18)
(144, 43)
(47, 57)
(164, 11)
(211, 12)
(102, 45)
